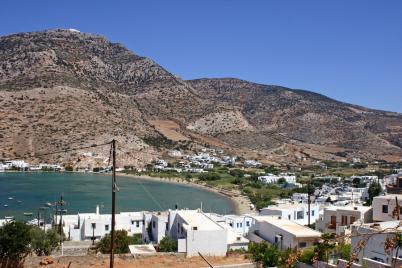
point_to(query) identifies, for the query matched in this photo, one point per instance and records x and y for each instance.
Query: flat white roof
(197, 219)
(389, 196)
(291, 227)
(348, 208)
(381, 226)
(285, 206)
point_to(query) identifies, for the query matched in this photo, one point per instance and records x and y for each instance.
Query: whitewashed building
(337, 219)
(195, 232)
(375, 235)
(297, 212)
(86, 226)
(282, 232)
(384, 207)
(271, 178)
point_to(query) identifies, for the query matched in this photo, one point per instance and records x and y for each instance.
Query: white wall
(389, 202)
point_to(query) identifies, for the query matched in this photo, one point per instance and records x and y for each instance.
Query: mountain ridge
(61, 88)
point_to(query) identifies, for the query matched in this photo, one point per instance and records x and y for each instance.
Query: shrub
(168, 244)
(43, 243)
(265, 254)
(122, 241)
(209, 176)
(15, 241)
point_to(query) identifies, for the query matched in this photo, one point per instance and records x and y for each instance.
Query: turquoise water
(82, 192)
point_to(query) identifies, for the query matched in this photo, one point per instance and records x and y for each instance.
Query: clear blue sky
(347, 50)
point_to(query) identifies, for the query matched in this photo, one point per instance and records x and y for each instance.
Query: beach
(241, 203)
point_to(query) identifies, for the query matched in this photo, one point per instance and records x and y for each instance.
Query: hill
(61, 89)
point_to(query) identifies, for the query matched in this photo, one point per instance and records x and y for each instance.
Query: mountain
(61, 89)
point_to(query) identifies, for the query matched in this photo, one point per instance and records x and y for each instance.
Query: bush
(43, 243)
(344, 251)
(15, 241)
(209, 176)
(122, 241)
(307, 255)
(167, 244)
(265, 254)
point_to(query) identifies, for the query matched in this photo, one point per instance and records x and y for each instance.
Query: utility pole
(114, 189)
(61, 210)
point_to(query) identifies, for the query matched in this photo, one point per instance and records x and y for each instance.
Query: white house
(251, 163)
(155, 226)
(195, 232)
(337, 219)
(282, 232)
(240, 224)
(271, 178)
(375, 235)
(297, 212)
(384, 207)
(86, 226)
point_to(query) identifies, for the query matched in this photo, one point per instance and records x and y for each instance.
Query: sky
(348, 50)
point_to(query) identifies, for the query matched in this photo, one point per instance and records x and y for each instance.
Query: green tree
(265, 254)
(308, 255)
(344, 251)
(15, 243)
(43, 243)
(168, 244)
(325, 247)
(373, 191)
(210, 176)
(122, 241)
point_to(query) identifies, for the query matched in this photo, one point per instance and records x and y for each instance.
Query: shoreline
(240, 202)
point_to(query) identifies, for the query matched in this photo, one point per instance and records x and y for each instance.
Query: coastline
(240, 203)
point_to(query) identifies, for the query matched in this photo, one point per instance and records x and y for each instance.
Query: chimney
(97, 209)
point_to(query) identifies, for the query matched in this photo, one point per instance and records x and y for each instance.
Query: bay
(27, 192)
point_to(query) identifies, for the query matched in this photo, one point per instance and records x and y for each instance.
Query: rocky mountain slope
(61, 89)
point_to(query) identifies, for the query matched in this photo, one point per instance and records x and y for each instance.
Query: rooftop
(349, 208)
(197, 219)
(291, 227)
(389, 196)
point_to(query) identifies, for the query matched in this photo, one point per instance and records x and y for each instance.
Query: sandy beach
(240, 202)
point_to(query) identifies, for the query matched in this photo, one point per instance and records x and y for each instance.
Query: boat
(48, 204)
(19, 201)
(28, 214)
(5, 205)
(10, 198)
(9, 217)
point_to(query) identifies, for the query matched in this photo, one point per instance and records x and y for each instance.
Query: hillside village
(314, 206)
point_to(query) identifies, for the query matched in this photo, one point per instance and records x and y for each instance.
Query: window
(333, 222)
(312, 213)
(289, 216)
(153, 224)
(132, 222)
(241, 225)
(237, 225)
(137, 224)
(248, 223)
(302, 244)
(195, 228)
(344, 220)
(352, 219)
(300, 215)
(107, 227)
(400, 210)
(384, 208)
